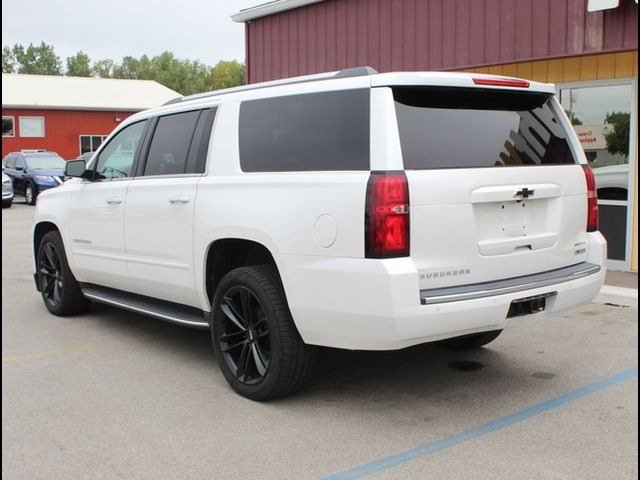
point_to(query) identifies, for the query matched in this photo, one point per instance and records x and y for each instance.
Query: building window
(32, 126)
(601, 116)
(8, 129)
(90, 143)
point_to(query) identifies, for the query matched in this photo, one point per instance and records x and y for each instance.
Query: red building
(70, 115)
(588, 48)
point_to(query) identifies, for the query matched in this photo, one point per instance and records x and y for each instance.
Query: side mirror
(19, 168)
(76, 168)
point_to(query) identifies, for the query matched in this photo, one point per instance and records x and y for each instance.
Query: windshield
(470, 128)
(46, 163)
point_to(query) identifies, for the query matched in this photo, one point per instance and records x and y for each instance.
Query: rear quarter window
(309, 132)
(467, 128)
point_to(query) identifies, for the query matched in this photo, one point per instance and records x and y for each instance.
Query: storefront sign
(592, 136)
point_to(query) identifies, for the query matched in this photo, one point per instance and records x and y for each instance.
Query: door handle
(114, 201)
(179, 199)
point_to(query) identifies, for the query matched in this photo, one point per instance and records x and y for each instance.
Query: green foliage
(79, 65)
(184, 76)
(225, 75)
(618, 138)
(103, 68)
(8, 60)
(35, 60)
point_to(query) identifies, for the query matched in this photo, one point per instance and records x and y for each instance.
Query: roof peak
(81, 93)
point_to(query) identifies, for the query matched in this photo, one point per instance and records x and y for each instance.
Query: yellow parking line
(50, 353)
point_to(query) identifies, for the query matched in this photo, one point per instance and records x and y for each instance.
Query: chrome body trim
(511, 285)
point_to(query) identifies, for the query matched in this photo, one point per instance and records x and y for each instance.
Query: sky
(194, 29)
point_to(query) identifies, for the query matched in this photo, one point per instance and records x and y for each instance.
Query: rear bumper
(363, 304)
(511, 285)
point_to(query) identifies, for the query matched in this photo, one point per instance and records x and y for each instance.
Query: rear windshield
(309, 132)
(470, 128)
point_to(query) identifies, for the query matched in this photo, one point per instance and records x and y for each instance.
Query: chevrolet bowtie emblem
(524, 193)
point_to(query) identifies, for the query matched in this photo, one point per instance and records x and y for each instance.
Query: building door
(603, 116)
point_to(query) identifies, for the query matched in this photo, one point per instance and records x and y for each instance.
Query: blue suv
(33, 172)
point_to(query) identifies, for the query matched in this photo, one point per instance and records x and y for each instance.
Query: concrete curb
(624, 297)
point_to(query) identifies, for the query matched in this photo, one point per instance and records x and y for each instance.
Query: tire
(7, 203)
(256, 343)
(59, 289)
(30, 194)
(469, 342)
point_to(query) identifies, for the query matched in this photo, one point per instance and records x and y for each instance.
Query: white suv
(353, 210)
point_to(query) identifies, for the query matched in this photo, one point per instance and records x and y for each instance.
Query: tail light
(387, 215)
(592, 200)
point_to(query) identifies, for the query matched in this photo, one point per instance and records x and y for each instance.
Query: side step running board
(160, 309)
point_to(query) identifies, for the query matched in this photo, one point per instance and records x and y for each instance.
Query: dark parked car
(33, 172)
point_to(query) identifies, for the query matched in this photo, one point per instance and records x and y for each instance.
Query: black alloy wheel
(257, 345)
(50, 273)
(243, 337)
(60, 291)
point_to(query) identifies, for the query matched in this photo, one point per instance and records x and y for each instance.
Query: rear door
(494, 185)
(159, 216)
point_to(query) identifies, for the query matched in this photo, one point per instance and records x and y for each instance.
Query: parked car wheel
(469, 342)
(7, 203)
(59, 288)
(257, 345)
(30, 194)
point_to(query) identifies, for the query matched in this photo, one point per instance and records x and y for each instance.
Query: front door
(97, 213)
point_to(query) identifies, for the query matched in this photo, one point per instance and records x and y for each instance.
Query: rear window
(310, 132)
(470, 128)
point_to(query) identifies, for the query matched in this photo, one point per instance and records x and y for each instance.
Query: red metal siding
(432, 34)
(62, 129)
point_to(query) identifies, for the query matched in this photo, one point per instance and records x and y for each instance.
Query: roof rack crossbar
(349, 72)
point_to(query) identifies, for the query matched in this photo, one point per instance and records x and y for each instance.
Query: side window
(11, 162)
(171, 142)
(117, 157)
(314, 131)
(8, 126)
(19, 162)
(200, 146)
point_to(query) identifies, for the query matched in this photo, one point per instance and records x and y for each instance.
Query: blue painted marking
(430, 448)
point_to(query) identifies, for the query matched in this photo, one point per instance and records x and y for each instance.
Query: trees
(36, 60)
(8, 60)
(79, 65)
(184, 76)
(103, 68)
(618, 138)
(225, 75)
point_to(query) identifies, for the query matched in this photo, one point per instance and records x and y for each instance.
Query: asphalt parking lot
(116, 395)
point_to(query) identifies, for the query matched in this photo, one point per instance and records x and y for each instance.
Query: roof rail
(349, 72)
(355, 72)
